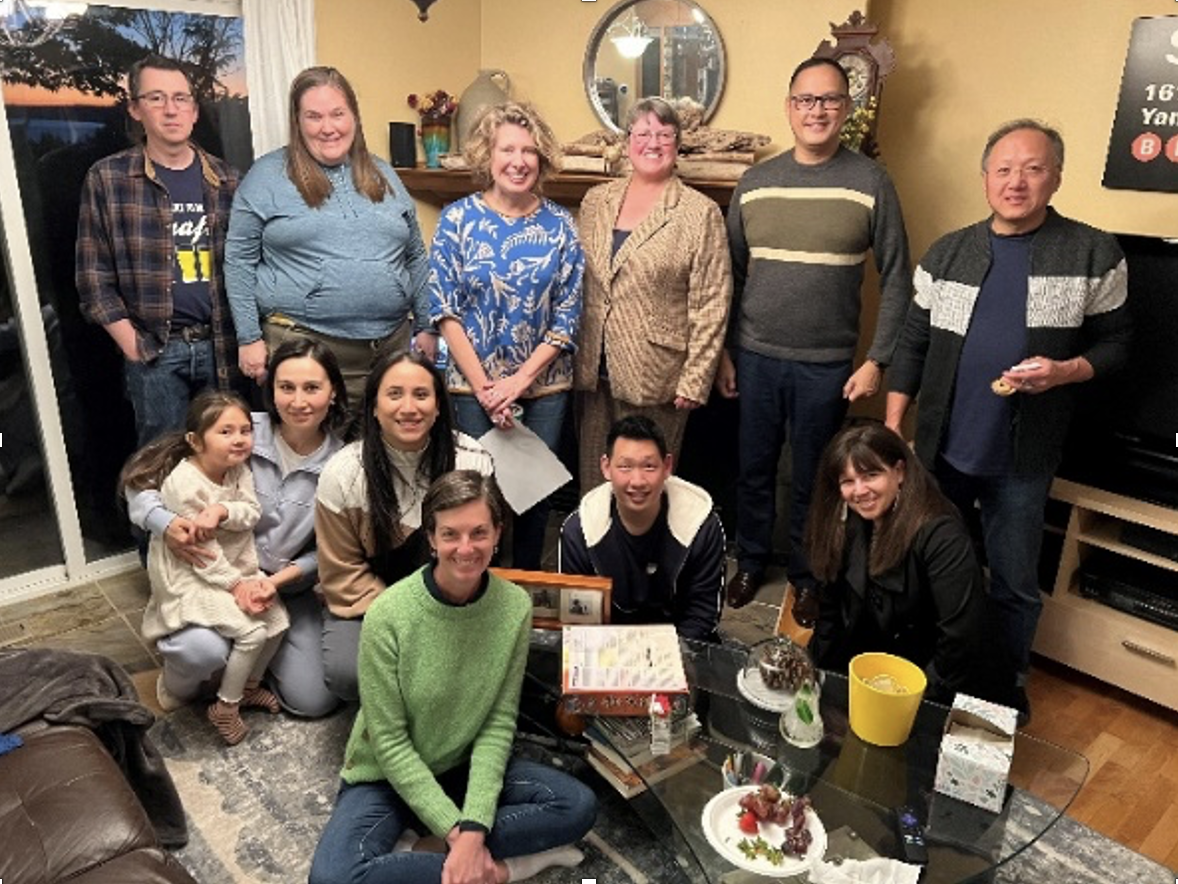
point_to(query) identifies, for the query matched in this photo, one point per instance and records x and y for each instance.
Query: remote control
(910, 836)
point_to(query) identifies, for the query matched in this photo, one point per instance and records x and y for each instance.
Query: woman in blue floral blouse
(505, 293)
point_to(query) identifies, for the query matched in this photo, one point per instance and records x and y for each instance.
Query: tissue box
(976, 751)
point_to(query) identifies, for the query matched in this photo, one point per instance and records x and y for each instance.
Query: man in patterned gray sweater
(1010, 315)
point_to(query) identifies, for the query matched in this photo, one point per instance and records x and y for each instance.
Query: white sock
(520, 868)
(406, 841)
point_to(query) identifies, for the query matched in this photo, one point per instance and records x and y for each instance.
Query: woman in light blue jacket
(293, 440)
(323, 241)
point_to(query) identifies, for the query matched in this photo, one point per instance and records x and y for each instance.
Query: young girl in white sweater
(203, 474)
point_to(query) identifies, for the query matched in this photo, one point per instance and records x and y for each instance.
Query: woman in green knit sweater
(442, 657)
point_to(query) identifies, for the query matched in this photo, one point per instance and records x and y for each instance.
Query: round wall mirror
(668, 48)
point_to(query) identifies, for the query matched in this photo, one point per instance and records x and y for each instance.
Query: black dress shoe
(805, 608)
(741, 588)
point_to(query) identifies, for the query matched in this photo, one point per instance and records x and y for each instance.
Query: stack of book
(619, 749)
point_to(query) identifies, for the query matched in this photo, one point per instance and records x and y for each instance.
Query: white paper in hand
(526, 470)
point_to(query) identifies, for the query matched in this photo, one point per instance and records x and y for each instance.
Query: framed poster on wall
(1143, 148)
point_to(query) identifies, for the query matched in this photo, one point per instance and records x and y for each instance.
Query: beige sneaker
(167, 702)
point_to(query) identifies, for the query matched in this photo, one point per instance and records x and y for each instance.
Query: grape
(797, 834)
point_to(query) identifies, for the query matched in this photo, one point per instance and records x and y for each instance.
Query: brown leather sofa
(67, 813)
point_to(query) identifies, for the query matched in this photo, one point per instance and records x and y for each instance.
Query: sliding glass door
(67, 428)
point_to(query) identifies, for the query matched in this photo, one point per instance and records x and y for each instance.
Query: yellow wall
(965, 68)
(386, 54)
(541, 43)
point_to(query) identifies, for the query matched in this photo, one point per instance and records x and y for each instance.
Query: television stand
(1116, 647)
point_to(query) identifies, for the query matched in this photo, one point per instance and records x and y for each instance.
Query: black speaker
(403, 145)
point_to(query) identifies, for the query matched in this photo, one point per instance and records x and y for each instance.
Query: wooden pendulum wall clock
(867, 65)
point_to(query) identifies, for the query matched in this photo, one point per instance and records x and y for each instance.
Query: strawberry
(748, 823)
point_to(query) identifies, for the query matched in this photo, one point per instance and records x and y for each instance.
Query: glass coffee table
(854, 787)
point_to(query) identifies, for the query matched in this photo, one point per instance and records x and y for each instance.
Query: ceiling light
(630, 36)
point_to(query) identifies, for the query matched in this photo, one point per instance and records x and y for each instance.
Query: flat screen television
(1125, 436)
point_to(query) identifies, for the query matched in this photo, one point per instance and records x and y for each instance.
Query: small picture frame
(562, 599)
(545, 602)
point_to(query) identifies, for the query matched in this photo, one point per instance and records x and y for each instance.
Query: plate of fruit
(764, 830)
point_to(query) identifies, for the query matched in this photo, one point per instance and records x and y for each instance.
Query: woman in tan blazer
(658, 283)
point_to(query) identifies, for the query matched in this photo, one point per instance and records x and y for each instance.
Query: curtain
(279, 42)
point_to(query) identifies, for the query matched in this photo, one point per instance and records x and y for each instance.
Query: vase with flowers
(437, 111)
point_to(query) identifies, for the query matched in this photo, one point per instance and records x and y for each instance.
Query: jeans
(296, 672)
(160, 390)
(194, 658)
(544, 416)
(1012, 533)
(780, 396)
(539, 808)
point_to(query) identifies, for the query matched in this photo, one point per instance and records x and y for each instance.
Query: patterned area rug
(256, 810)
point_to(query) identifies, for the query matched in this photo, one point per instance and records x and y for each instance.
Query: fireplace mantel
(442, 186)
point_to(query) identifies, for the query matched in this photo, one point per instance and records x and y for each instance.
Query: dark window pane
(66, 107)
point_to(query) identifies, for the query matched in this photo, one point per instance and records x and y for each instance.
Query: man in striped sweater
(1011, 313)
(800, 226)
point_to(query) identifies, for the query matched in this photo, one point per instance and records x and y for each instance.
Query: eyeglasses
(807, 102)
(1033, 172)
(666, 136)
(157, 99)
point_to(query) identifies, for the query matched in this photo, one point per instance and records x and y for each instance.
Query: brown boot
(806, 607)
(257, 697)
(742, 588)
(226, 718)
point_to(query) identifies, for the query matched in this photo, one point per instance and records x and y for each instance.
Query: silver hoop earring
(843, 512)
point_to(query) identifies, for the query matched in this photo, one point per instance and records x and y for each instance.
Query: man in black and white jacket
(1011, 314)
(657, 536)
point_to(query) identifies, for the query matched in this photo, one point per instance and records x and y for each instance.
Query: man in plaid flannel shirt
(151, 236)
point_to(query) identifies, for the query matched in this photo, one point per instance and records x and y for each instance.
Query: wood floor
(1131, 794)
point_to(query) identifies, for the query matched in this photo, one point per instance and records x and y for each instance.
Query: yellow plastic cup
(884, 718)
